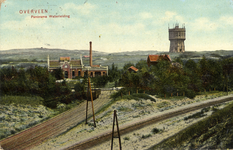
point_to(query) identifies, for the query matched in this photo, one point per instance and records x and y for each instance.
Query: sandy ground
(128, 111)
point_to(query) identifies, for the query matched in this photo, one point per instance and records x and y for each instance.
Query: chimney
(48, 62)
(90, 53)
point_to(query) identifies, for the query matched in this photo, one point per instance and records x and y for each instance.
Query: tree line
(187, 78)
(164, 78)
(35, 81)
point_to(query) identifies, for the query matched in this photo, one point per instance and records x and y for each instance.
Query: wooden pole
(92, 101)
(87, 104)
(171, 94)
(129, 92)
(121, 94)
(86, 110)
(118, 131)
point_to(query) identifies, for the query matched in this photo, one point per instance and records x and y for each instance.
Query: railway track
(52, 127)
(98, 139)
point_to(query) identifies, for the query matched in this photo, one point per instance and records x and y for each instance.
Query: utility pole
(89, 91)
(118, 131)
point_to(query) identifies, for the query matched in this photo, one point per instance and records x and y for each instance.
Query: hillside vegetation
(213, 132)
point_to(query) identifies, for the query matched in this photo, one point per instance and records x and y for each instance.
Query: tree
(126, 66)
(100, 81)
(192, 71)
(58, 74)
(113, 73)
(163, 81)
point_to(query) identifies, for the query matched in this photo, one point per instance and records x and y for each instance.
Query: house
(154, 59)
(76, 68)
(132, 68)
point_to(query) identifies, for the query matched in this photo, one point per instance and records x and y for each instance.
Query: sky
(115, 25)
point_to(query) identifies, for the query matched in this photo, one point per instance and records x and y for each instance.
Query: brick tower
(177, 37)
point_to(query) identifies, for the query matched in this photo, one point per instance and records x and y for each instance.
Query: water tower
(177, 37)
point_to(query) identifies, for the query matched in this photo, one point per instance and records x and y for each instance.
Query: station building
(75, 68)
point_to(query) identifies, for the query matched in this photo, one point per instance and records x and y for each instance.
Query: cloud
(168, 16)
(26, 23)
(145, 15)
(84, 9)
(118, 29)
(226, 20)
(204, 23)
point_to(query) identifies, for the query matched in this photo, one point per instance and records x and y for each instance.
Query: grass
(24, 100)
(198, 114)
(117, 96)
(163, 104)
(122, 108)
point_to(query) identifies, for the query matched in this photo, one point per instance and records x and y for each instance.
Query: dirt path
(53, 127)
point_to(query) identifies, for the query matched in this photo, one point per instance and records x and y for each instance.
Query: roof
(64, 58)
(75, 63)
(155, 58)
(95, 66)
(54, 64)
(133, 68)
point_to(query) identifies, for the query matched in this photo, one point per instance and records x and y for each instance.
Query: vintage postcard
(115, 74)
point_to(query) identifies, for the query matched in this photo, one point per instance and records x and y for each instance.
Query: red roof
(64, 58)
(155, 58)
(95, 66)
(86, 56)
(133, 68)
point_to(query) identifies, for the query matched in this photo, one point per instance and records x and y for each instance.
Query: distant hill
(102, 58)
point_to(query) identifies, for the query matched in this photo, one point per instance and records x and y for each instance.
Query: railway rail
(98, 139)
(50, 128)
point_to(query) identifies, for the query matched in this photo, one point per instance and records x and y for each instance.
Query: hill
(39, 56)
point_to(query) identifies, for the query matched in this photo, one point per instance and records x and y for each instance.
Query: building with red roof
(132, 68)
(154, 59)
(73, 68)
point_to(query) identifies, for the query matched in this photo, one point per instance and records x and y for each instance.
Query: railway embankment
(143, 122)
(129, 112)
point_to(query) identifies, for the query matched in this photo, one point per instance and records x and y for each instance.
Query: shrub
(126, 138)
(146, 136)
(156, 130)
(190, 94)
(33, 100)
